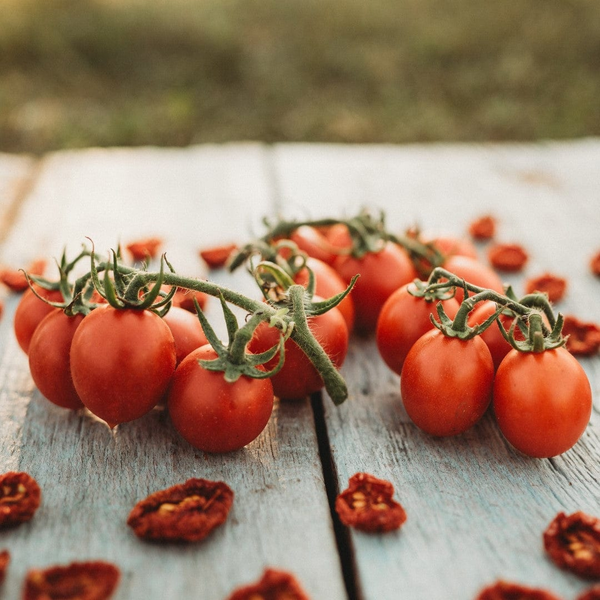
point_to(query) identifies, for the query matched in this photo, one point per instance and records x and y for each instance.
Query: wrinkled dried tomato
(592, 593)
(483, 228)
(20, 497)
(583, 338)
(367, 504)
(4, 560)
(508, 257)
(595, 264)
(573, 543)
(187, 512)
(143, 249)
(16, 281)
(217, 256)
(504, 590)
(552, 285)
(274, 585)
(95, 580)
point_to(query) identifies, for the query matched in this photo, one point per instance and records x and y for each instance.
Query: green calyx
(537, 337)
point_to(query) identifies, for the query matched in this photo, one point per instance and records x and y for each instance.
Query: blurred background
(77, 73)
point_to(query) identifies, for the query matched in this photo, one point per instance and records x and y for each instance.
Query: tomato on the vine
(122, 361)
(542, 401)
(186, 329)
(404, 318)
(381, 274)
(212, 414)
(298, 377)
(446, 383)
(314, 243)
(30, 312)
(492, 336)
(473, 271)
(49, 361)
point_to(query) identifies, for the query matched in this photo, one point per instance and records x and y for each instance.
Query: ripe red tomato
(495, 341)
(446, 383)
(212, 414)
(381, 274)
(49, 358)
(472, 271)
(452, 246)
(30, 312)
(122, 362)
(328, 283)
(314, 243)
(402, 321)
(542, 401)
(186, 329)
(298, 377)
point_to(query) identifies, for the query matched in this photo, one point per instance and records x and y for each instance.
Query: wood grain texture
(476, 508)
(90, 477)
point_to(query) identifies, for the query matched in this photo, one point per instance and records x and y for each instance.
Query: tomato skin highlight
(542, 401)
(49, 362)
(186, 329)
(122, 362)
(212, 414)
(381, 274)
(298, 377)
(446, 383)
(30, 312)
(403, 320)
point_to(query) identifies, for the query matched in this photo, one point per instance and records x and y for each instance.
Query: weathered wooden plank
(476, 508)
(90, 477)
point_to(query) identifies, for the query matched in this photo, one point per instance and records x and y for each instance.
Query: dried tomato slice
(504, 590)
(583, 338)
(184, 513)
(591, 594)
(552, 285)
(16, 281)
(4, 560)
(143, 249)
(274, 585)
(595, 264)
(573, 543)
(508, 257)
(217, 256)
(95, 580)
(367, 504)
(483, 228)
(20, 497)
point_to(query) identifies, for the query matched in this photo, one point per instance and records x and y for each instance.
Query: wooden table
(476, 508)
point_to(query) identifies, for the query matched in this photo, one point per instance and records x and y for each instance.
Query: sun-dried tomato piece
(145, 248)
(4, 560)
(1, 308)
(504, 590)
(367, 504)
(583, 338)
(16, 281)
(187, 512)
(20, 497)
(592, 593)
(552, 285)
(274, 585)
(94, 580)
(217, 256)
(573, 543)
(483, 228)
(595, 264)
(508, 257)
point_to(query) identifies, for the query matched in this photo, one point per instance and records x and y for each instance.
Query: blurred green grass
(77, 73)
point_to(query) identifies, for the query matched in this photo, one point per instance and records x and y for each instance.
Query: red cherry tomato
(542, 401)
(212, 414)
(327, 284)
(187, 331)
(314, 243)
(402, 321)
(30, 312)
(298, 377)
(492, 336)
(446, 383)
(472, 271)
(122, 362)
(49, 358)
(381, 274)
(451, 246)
